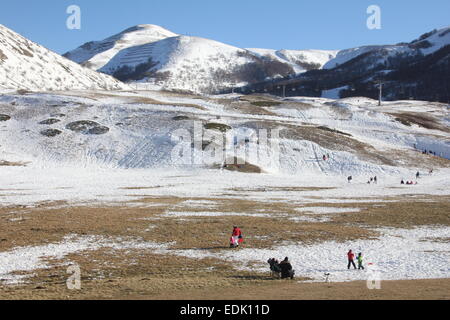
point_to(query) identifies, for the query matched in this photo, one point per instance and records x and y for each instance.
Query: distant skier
(417, 175)
(351, 259)
(324, 158)
(349, 179)
(360, 261)
(375, 180)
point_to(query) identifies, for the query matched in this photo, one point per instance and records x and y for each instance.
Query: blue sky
(289, 24)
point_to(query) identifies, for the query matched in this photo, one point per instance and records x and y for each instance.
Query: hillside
(132, 130)
(97, 54)
(27, 65)
(427, 44)
(417, 70)
(151, 54)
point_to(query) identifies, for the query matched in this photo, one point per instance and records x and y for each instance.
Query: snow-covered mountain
(27, 65)
(149, 53)
(416, 70)
(301, 60)
(97, 54)
(425, 45)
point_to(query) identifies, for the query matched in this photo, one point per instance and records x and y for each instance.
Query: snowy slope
(192, 63)
(98, 53)
(438, 39)
(426, 45)
(27, 65)
(139, 134)
(301, 60)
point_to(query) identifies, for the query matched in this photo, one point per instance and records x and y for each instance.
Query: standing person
(286, 269)
(236, 236)
(375, 180)
(351, 259)
(360, 261)
(417, 175)
(349, 179)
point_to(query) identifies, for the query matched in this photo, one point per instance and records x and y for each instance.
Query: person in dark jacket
(286, 269)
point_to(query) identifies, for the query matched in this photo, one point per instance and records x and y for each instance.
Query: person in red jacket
(236, 237)
(351, 259)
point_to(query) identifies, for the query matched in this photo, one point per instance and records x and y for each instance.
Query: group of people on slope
(351, 260)
(428, 152)
(410, 182)
(284, 268)
(373, 180)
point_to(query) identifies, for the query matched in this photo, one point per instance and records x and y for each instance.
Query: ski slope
(358, 135)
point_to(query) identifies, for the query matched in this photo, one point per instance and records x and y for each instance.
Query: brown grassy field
(140, 274)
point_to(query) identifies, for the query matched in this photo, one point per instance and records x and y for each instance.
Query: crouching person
(274, 268)
(286, 269)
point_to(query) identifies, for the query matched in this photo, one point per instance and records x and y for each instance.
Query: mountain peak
(150, 29)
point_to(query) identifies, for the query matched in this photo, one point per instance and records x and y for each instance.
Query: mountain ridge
(216, 65)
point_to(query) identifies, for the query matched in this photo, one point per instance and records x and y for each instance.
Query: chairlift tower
(380, 95)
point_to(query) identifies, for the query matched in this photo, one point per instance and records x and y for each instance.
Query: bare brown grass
(123, 274)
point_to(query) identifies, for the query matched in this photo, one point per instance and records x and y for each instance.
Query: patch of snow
(398, 254)
(327, 210)
(212, 214)
(36, 257)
